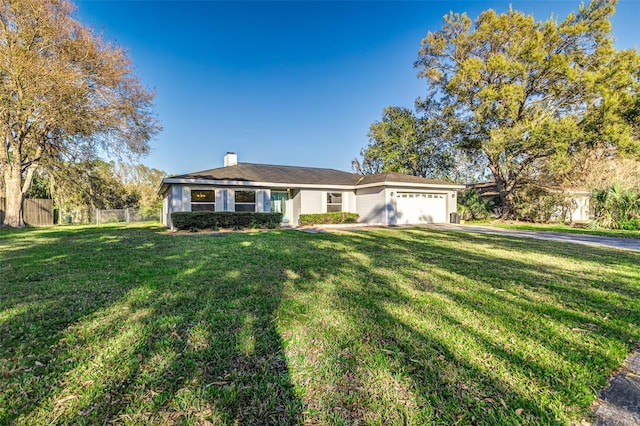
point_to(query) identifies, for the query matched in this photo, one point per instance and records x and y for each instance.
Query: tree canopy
(533, 98)
(532, 101)
(404, 143)
(64, 92)
(97, 184)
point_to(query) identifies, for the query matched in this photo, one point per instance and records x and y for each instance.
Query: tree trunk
(508, 206)
(13, 201)
(505, 192)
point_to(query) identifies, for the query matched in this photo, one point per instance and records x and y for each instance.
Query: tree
(90, 185)
(81, 187)
(529, 98)
(403, 143)
(144, 181)
(39, 187)
(63, 90)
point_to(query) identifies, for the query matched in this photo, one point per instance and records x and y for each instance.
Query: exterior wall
(349, 203)
(375, 205)
(309, 201)
(176, 199)
(582, 208)
(370, 204)
(296, 206)
(222, 197)
(313, 201)
(390, 207)
(166, 214)
(579, 211)
(452, 203)
(186, 199)
(225, 199)
(263, 200)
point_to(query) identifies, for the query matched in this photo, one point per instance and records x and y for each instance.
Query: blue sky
(293, 83)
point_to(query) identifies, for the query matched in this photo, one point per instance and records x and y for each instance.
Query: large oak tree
(63, 91)
(532, 99)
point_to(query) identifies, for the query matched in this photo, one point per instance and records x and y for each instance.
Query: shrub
(631, 225)
(471, 205)
(215, 220)
(616, 208)
(541, 205)
(328, 218)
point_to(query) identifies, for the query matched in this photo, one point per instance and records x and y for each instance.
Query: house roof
(485, 189)
(292, 176)
(490, 189)
(277, 174)
(397, 178)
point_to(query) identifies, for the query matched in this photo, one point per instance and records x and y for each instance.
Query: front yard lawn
(393, 326)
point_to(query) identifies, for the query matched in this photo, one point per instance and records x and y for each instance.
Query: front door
(279, 203)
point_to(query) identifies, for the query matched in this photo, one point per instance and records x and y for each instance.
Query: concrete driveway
(591, 240)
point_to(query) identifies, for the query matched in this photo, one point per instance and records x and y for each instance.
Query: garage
(421, 207)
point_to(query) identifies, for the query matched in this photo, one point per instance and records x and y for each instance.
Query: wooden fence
(35, 211)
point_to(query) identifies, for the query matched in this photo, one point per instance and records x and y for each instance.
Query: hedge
(328, 218)
(194, 221)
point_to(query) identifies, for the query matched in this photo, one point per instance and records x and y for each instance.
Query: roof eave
(412, 185)
(230, 182)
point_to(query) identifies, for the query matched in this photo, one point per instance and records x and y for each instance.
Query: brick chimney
(231, 159)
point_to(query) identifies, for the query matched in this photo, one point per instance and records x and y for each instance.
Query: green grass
(567, 229)
(394, 326)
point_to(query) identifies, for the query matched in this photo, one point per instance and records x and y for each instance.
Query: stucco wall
(374, 205)
(296, 207)
(312, 201)
(176, 198)
(166, 214)
(349, 202)
(370, 205)
(452, 202)
(222, 198)
(263, 200)
(390, 216)
(582, 208)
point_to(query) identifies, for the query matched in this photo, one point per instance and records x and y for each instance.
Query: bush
(631, 224)
(328, 218)
(616, 208)
(471, 205)
(540, 205)
(214, 220)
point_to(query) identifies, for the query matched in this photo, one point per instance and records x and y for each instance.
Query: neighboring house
(577, 208)
(380, 199)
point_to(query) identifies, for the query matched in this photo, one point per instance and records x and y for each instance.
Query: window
(203, 200)
(334, 202)
(245, 201)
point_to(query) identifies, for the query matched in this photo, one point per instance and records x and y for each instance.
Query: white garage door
(419, 207)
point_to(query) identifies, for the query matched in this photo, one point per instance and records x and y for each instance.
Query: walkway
(591, 240)
(619, 403)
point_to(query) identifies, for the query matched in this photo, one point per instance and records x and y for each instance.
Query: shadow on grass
(128, 325)
(389, 327)
(505, 334)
